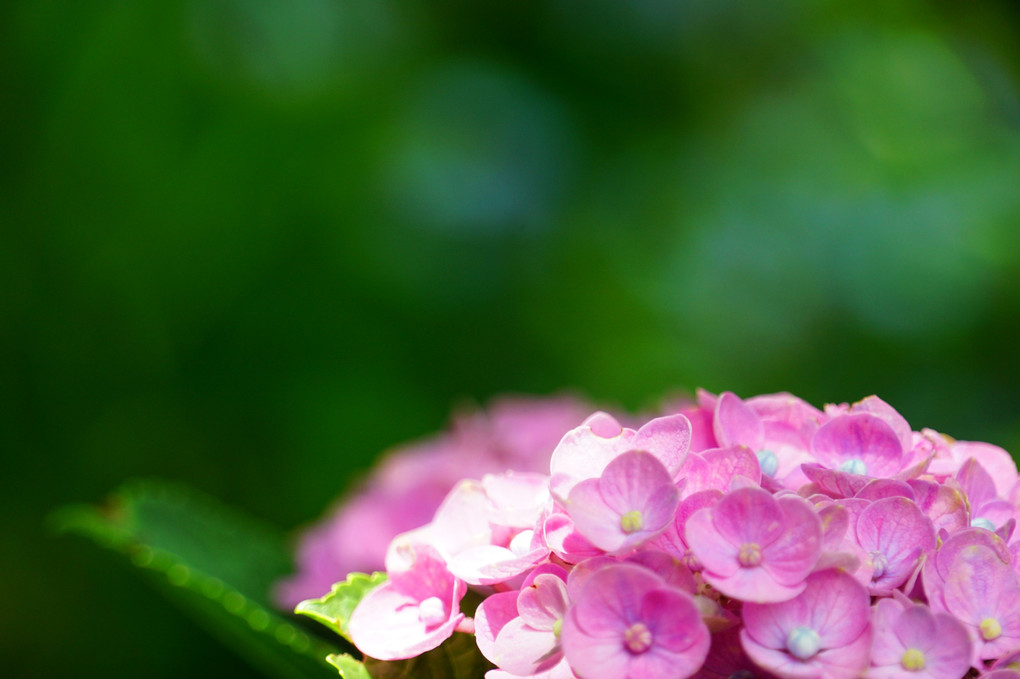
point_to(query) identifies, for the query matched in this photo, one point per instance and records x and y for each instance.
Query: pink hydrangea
(730, 539)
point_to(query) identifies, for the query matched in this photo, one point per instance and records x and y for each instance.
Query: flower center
(557, 626)
(631, 521)
(431, 611)
(879, 564)
(982, 522)
(803, 642)
(854, 465)
(749, 554)
(912, 660)
(637, 638)
(990, 629)
(768, 462)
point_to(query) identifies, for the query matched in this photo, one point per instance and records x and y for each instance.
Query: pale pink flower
(756, 547)
(909, 638)
(822, 632)
(633, 500)
(520, 631)
(861, 444)
(890, 536)
(629, 624)
(987, 509)
(413, 611)
(777, 428)
(983, 593)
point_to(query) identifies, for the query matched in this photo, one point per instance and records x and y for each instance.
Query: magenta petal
(749, 515)
(668, 438)
(595, 654)
(754, 585)
(791, 557)
(876, 406)
(521, 649)
(834, 605)
(723, 464)
(629, 480)
(863, 437)
(563, 539)
(778, 662)
(949, 652)
(736, 423)
(847, 661)
(976, 483)
(715, 554)
(886, 647)
(583, 453)
(544, 602)
(491, 617)
(897, 530)
(386, 625)
(596, 521)
(675, 622)
(611, 596)
(835, 483)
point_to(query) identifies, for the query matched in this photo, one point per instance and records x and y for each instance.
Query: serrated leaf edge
(308, 606)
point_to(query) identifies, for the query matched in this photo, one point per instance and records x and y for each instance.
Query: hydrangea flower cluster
(406, 488)
(730, 539)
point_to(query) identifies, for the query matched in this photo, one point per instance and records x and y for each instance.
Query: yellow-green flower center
(990, 629)
(749, 554)
(912, 660)
(637, 638)
(557, 627)
(631, 521)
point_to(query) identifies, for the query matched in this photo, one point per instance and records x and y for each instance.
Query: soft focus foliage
(251, 244)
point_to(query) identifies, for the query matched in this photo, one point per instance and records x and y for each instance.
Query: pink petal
(491, 617)
(668, 438)
(521, 649)
(543, 602)
(755, 585)
(386, 626)
(628, 481)
(676, 626)
(791, 557)
(899, 424)
(863, 437)
(749, 515)
(593, 519)
(736, 423)
(717, 555)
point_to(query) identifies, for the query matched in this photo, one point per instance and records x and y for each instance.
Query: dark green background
(248, 244)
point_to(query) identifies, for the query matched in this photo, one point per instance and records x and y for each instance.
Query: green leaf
(457, 658)
(216, 564)
(348, 666)
(334, 610)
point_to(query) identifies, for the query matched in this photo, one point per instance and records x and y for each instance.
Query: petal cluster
(729, 537)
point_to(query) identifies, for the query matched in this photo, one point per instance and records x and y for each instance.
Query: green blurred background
(248, 244)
